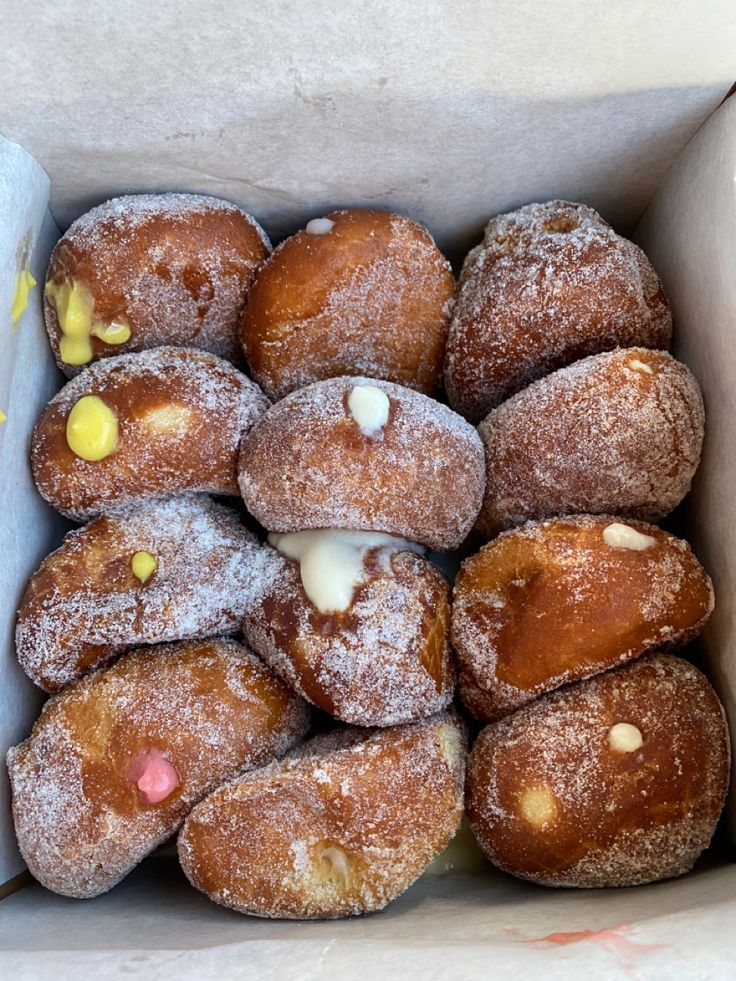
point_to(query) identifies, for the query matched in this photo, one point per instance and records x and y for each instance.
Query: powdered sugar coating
(371, 296)
(201, 404)
(210, 708)
(602, 436)
(618, 819)
(85, 606)
(339, 828)
(386, 660)
(551, 602)
(551, 283)
(175, 267)
(308, 465)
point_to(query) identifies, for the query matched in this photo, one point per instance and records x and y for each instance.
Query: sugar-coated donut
(340, 827)
(614, 781)
(141, 426)
(370, 645)
(168, 570)
(360, 453)
(145, 270)
(551, 283)
(564, 599)
(616, 433)
(359, 292)
(116, 761)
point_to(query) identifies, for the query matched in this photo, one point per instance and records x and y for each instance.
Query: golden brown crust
(181, 414)
(616, 433)
(85, 605)
(551, 602)
(209, 707)
(339, 828)
(176, 267)
(550, 284)
(308, 465)
(385, 660)
(371, 297)
(550, 800)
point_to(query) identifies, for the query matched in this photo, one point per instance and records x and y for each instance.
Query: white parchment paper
(28, 378)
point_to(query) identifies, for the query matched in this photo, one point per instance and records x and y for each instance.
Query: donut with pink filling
(116, 762)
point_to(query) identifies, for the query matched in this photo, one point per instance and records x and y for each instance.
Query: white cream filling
(622, 536)
(332, 562)
(369, 406)
(319, 226)
(625, 738)
(636, 365)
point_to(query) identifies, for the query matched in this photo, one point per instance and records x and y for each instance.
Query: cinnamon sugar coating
(553, 798)
(181, 414)
(210, 708)
(370, 296)
(552, 602)
(85, 605)
(308, 465)
(550, 284)
(175, 267)
(340, 827)
(385, 660)
(616, 433)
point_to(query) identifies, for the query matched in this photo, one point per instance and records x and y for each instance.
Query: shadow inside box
(464, 155)
(155, 908)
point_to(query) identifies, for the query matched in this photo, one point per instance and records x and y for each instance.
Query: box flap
(689, 232)
(448, 111)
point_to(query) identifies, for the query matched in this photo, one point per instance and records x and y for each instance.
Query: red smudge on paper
(609, 938)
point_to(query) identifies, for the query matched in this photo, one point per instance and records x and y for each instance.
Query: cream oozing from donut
(332, 561)
(369, 406)
(618, 535)
(319, 226)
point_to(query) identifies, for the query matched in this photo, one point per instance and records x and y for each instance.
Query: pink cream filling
(154, 776)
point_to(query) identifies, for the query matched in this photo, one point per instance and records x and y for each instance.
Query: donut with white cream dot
(363, 454)
(615, 781)
(359, 292)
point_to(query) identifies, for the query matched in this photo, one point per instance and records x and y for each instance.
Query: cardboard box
(451, 113)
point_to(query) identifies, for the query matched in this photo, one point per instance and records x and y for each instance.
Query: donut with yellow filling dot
(141, 426)
(357, 624)
(359, 292)
(116, 761)
(167, 570)
(615, 433)
(614, 781)
(560, 600)
(145, 270)
(364, 454)
(340, 827)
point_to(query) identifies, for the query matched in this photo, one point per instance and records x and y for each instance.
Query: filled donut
(550, 284)
(559, 600)
(168, 570)
(615, 781)
(616, 433)
(142, 426)
(340, 827)
(363, 454)
(359, 292)
(358, 624)
(116, 761)
(145, 270)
